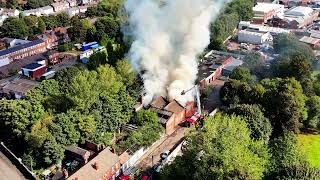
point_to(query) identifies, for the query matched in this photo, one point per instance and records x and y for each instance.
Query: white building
(265, 11)
(245, 36)
(72, 3)
(83, 9)
(11, 12)
(34, 12)
(261, 28)
(2, 19)
(47, 10)
(15, 42)
(73, 11)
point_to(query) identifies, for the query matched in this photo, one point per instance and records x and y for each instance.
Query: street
(152, 157)
(7, 170)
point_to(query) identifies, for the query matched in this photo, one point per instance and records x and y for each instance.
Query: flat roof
(210, 63)
(105, 160)
(22, 46)
(299, 11)
(33, 66)
(266, 7)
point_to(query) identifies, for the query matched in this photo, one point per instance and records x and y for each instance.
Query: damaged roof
(174, 107)
(160, 102)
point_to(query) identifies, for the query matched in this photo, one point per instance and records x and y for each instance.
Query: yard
(310, 145)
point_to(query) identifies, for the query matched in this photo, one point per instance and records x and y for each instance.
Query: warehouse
(245, 36)
(34, 70)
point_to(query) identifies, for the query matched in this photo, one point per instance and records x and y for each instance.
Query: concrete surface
(7, 170)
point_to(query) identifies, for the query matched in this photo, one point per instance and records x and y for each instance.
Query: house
(73, 11)
(266, 11)
(46, 10)
(296, 17)
(34, 70)
(170, 114)
(17, 87)
(11, 12)
(314, 43)
(11, 42)
(53, 57)
(78, 153)
(25, 50)
(34, 12)
(72, 3)
(60, 6)
(49, 38)
(106, 165)
(252, 37)
(62, 35)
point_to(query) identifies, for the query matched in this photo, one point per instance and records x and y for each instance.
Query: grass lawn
(310, 145)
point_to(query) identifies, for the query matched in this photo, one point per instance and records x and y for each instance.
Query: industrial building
(262, 28)
(252, 37)
(34, 70)
(266, 11)
(296, 17)
(214, 65)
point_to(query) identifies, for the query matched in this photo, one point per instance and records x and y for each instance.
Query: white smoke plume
(166, 40)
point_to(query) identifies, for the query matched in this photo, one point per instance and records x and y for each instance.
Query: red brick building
(34, 70)
(25, 50)
(266, 11)
(106, 165)
(170, 114)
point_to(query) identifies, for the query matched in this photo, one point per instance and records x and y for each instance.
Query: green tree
(63, 19)
(87, 126)
(241, 74)
(97, 59)
(39, 132)
(41, 26)
(128, 75)
(222, 150)
(313, 105)
(146, 117)
(65, 77)
(285, 155)
(64, 128)
(235, 92)
(258, 124)
(52, 152)
(242, 7)
(15, 28)
(284, 103)
(107, 26)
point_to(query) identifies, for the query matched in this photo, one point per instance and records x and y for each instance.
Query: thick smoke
(166, 41)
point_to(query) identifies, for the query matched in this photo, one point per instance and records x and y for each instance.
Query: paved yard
(7, 170)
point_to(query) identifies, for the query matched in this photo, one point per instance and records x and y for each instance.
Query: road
(7, 170)
(152, 157)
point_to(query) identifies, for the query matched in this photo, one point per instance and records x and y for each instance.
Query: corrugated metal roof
(32, 66)
(310, 40)
(23, 46)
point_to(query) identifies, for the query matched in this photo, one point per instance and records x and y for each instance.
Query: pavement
(7, 170)
(213, 100)
(152, 157)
